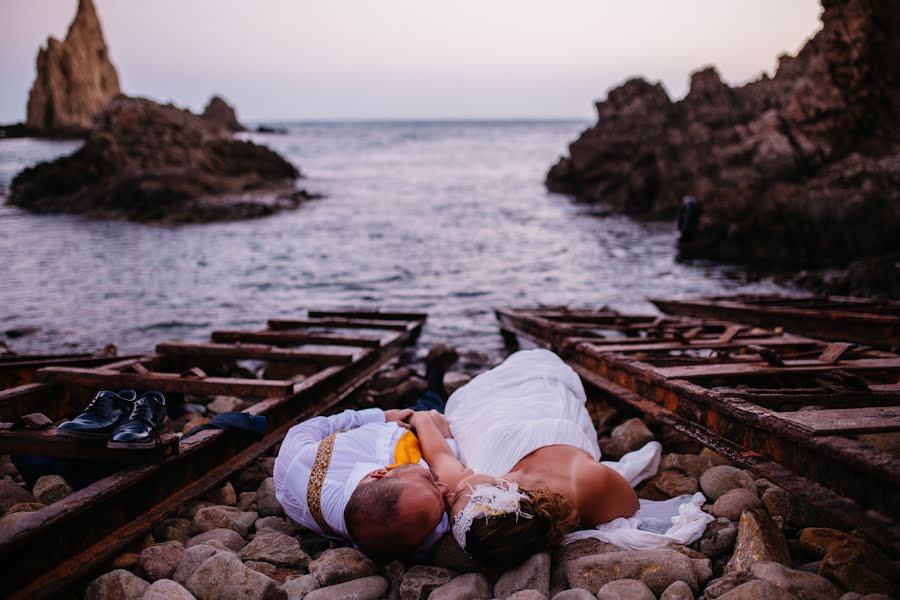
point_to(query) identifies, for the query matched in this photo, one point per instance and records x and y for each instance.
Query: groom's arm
(316, 429)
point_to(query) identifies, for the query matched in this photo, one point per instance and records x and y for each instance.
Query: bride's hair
(507, 540)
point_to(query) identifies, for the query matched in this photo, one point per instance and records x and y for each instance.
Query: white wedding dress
(533, 400)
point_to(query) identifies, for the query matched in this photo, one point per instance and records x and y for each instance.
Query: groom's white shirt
(366, 444)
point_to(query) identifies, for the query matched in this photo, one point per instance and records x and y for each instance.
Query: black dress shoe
(141, 429)
(101, 417)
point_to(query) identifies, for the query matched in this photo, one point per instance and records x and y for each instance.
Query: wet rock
(668, 484)
(732, 503)
(757, 590)
(75, 79)
(782, 504)
(150, 162)
(225, 517)
(166, 589)
(266, 503)
(223, 495)
(575, 594)
(471, 586)
(229, 538)
(190, 511)
(449, 555)
(367, 588)
(223, 576)
(172, 530)
(278, 574)
(340, 565)
(758, 540)
(247, 501)
(250, 478)
(33, 422)
(420, 581)
(692, 465)
(533, 574)
(222, 115)
(629, 436)
(116, 585)
(726, 583)
(275, 524)
(720, 479)
(718, 539)
(527, 595)
(678, 591)
(191, 560)
(160, 560)
(806, 586)
(858, 566)
(51, 488)
(276, 548)
(12, 493)
(25, 507)
(657, 569)
(298, 588)
(817, 541)
(625, 589)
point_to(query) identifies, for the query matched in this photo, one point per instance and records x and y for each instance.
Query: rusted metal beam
(49, 443)
(337, 322)
(289, 338)
(870, 419)
(188, 350)
(172, 383)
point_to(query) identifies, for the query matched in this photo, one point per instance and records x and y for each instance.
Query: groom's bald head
(392, 513)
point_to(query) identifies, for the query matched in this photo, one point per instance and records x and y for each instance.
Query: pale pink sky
(359, 59)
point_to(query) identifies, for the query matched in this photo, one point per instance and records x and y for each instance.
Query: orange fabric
(407, 450)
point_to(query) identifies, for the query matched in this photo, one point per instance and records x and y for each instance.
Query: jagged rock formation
(221, 114)
(802, 168)
(75, 78)
(150, 162)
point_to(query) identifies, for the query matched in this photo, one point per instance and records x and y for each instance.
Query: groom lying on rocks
(360, 475)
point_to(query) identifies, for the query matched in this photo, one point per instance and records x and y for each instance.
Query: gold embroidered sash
(316, 479)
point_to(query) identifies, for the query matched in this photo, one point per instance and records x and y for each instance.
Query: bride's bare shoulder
(603, 495)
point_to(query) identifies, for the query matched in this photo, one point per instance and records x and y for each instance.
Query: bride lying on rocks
(533, 473)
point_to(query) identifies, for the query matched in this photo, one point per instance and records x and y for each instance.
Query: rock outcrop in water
(221, 114)
(75, 79)
(150, 162)
(802, 168)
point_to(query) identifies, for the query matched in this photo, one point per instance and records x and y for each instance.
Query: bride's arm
(605, 495)
(437, 452)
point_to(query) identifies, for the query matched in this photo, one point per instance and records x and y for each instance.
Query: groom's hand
(398, 416)
(441, 423)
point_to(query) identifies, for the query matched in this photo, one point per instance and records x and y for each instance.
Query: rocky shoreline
(801, 169)
(235, 542)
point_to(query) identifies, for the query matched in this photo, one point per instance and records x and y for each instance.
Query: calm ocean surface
(448, 218)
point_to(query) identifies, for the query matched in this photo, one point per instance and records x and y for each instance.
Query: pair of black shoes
(124, 419)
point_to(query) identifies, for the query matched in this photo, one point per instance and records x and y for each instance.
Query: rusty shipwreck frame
(64, 542)
(858, 320)
(711, 380)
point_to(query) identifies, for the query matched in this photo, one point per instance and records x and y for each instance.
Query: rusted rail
(62, 543)
(803, 413)
(858, 320)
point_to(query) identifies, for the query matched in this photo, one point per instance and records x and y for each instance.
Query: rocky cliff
(150, 162)
(800, 168)
(221, 114)
(75, 79)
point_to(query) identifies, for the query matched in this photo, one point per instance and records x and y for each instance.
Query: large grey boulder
(758, 590)
(718, 539)
(657, 569)
(116, 585)
(625, 589)
(299, 587)
(191, 560)
(224, 577)
(229, 538)
(533, 574)
(678, 591)
(759, 539)
(806, 586)
(366, 588)
(225, 517)
(159, 561)
(420, 581)
(275, 548)
(471, 586)
(718, 480)
(266, 503)
(339, 565)
(51, 488)
(732, 503)
(166, 589)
